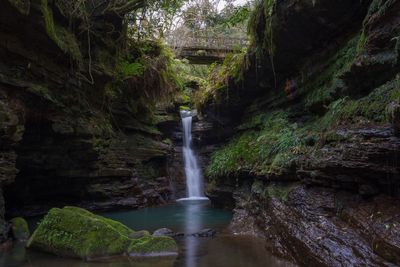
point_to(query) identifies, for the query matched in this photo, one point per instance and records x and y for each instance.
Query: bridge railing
(209, 43)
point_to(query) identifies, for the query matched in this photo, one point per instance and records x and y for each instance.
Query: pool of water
(225, 250)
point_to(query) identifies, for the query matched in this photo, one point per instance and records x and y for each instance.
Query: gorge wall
(311, 113)
(75, 125)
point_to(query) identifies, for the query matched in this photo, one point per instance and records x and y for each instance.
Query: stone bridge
(206, 50)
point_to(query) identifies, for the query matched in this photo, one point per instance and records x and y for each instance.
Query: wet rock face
(354, 161)
(67, 165)
(58, 144)
(300, 28)
(298, 31)
(11, 130)
(341, 209)
(335, 204)
(324, 227)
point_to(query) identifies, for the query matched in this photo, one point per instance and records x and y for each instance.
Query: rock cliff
(311, 161)
(75, 125)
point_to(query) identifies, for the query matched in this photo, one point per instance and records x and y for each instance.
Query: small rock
(163, 232)
(20, 229)
(179, 234)
(139, 234)
(206, 233)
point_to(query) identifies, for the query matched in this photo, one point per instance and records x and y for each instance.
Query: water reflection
(193, 224)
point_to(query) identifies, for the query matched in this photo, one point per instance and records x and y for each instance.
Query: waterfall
(194, 179)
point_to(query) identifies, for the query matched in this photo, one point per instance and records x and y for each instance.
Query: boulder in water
(75, 232)
(206, 233)
(164, 232)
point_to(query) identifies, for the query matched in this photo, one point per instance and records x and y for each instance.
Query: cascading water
(194, 179)
(195, 193)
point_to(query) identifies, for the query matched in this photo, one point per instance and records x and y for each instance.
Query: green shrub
(369, 108)
(233, 68)
(260, 151)
(324, 85)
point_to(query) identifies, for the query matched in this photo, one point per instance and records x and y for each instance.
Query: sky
(237, 2)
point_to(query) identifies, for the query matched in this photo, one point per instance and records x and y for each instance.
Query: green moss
(149, 169)
(279, 191)
(76, 232)
(147, 75)
(105, 61)
(44, 92)
(153, 245)
(376, 10)
(362, 42)
(270, 144)
(233, 68)
(119, 227)
(263, 15)
(283, 162)
(168, 141)
(20, 229)
(64, 39)
(211, 186)
(334, 137)
(184, 98)
(184, 108)
(238, 155)
(131, 69)
(261, 150)
(23, 6)
(324, 86)
(372, 108)
(235, 65)
(100, 143)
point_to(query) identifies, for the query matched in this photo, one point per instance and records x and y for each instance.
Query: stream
(224, 250)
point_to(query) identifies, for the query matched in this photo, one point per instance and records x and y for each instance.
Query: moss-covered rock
(75, 232)
(153, 246)
(20, 229)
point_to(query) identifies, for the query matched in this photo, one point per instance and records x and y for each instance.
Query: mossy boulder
(75, 232)
(20, 229)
